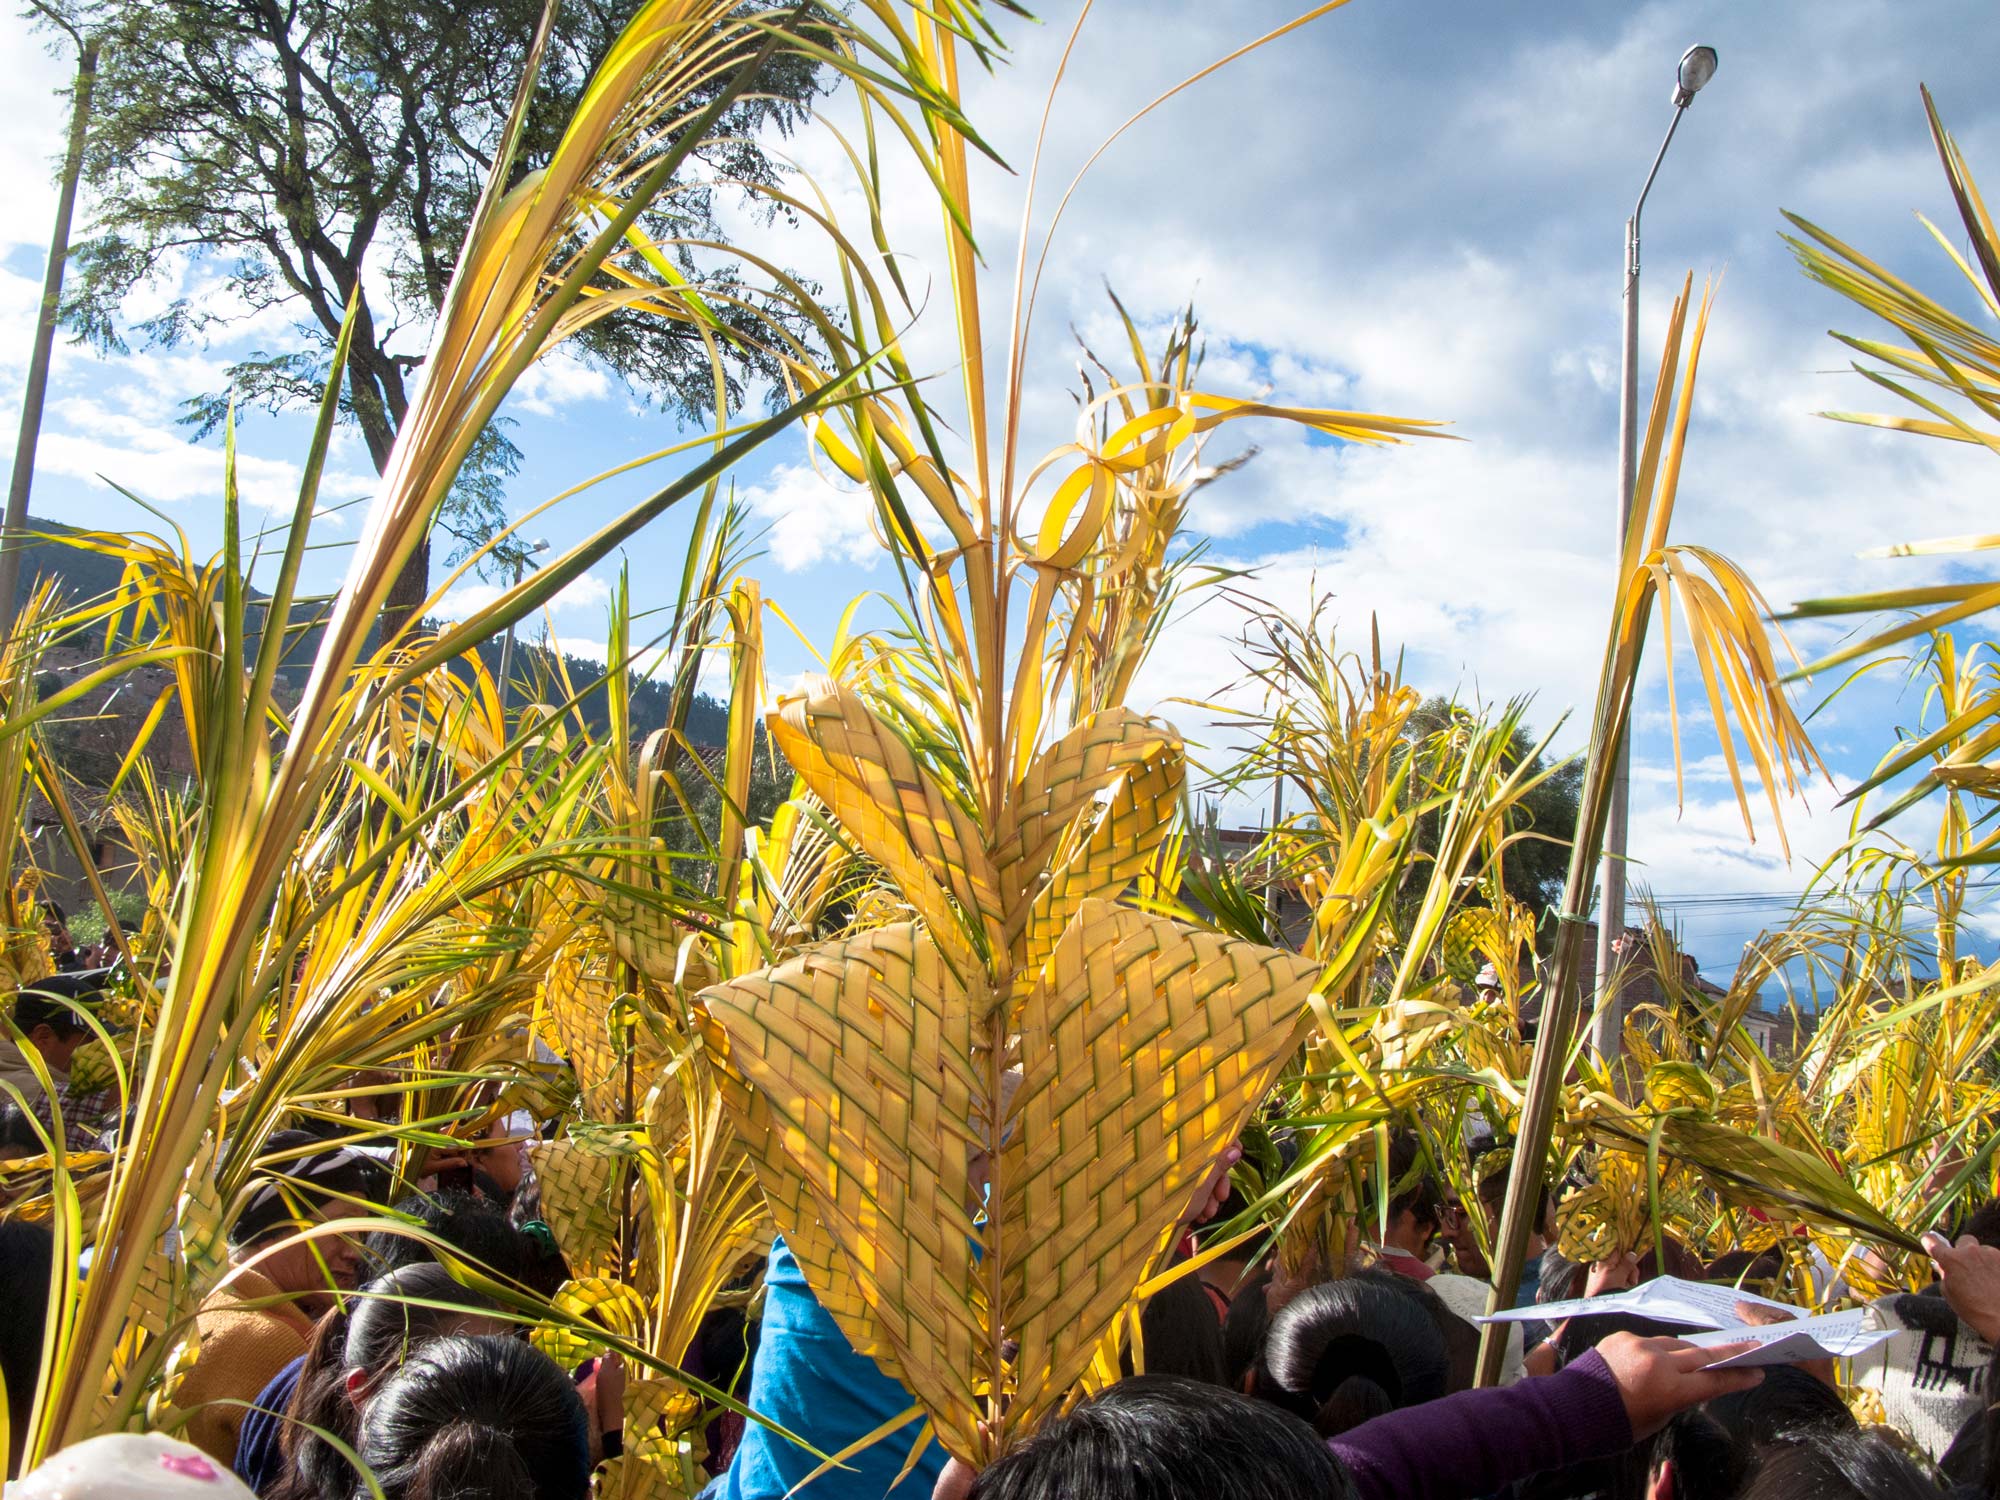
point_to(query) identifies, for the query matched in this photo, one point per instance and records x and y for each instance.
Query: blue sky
(1414, 208)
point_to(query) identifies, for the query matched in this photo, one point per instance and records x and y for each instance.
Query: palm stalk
(1724, 616)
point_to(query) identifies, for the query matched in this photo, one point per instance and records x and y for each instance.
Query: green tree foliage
(1534, 867)
(257, 155)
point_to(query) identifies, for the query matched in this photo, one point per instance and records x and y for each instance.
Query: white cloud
(587, 595)
(588, 592)
(31, 139)
(105, 447)
(811, 522)
(556, 381)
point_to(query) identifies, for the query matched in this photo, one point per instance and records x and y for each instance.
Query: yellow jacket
(242, 1348)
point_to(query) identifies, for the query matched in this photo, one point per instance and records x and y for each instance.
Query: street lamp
(14, 530)
(535, 549)
(1697, 67)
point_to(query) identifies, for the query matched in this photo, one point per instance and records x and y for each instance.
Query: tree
(296, 153)
(1534, 868)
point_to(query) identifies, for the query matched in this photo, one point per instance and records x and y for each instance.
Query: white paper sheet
(1666, 1299)
(1838, 1335)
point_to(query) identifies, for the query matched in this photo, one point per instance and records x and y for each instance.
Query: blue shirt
(1524, 1296)
(809, 1380)
(259, 1463)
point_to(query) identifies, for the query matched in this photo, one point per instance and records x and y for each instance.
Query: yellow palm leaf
(852, 1079)
(1145, 1045)
(1061, 783)
(861, 1094)
(895, 809)
(1112, 852)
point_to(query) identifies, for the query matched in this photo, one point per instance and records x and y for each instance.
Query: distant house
(1782, 1034)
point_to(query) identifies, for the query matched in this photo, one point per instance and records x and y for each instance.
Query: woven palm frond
(852, 1079)
(892, 807)
(1174, 1034)
(1112, 847)
(579, 1187)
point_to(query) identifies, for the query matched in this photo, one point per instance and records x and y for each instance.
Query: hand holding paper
(1803, 1340)
(1793, 1340)
(1665, 1299)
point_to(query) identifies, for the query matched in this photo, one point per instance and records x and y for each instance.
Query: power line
(1750, 899)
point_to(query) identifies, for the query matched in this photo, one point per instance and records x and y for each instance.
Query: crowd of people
(327, 1364)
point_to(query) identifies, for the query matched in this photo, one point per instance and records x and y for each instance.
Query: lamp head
(1697, 67)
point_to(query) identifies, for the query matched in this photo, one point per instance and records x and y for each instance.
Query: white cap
(1488, 978)
(130, 1466)
(1465, 1298)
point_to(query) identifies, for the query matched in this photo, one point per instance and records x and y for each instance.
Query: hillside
(90, 739)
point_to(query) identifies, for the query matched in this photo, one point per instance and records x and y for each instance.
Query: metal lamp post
(13, 533)
(1697, 67)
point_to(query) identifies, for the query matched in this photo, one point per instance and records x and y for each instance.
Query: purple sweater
(1477, 1442)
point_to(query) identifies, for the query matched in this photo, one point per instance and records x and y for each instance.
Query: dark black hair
(489, 1417)
(1787, 1403)
(1409, 1183)
(1708, 1462)
(1562, 1278)
(1181, 1334)
(374, 1330)
(1156, 1437)
(1244, 1327)
(1740, 1266)
(329, 1181)
(1838, 1466)
(475, 1228)
(1580, 1335)
(1704, 1462)
(1345, 1351)
(46, 1005)
(1681, 1261)
(17, 1130)
(27, 1265)
(1983, 1224)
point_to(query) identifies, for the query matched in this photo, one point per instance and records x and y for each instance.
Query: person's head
(1181, 1334)
(486, 1416)
(1156, 1437)
(1243, 1330)
(1345, 1351)
(27, 1263)
(355, 1348)
(129, 1466)
(1456, 1225)
(297, 1191)
(1693, 1457)
(1414, 1207)
(1494, 1171)
(1788, 1403)
(475, 1228)
(48, 1022)
(1680, 1261)
(1838, 1466)
(1562, 1280)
